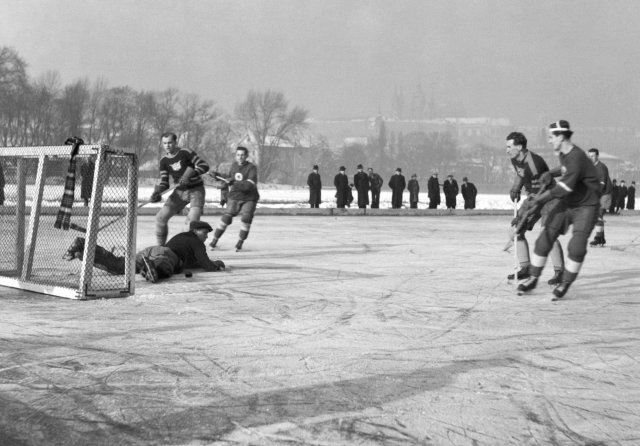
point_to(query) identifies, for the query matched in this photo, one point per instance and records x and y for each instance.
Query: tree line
(44, 112)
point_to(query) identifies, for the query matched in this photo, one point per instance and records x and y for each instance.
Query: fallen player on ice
(184, 250)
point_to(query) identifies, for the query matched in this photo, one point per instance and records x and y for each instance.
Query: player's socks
(557, 277)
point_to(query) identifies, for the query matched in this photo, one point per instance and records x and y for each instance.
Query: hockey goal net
(48, 198)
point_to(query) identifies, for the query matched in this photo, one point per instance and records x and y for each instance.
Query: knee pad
(577, 248)
(246, 218)
(543, 244)
(226, 219)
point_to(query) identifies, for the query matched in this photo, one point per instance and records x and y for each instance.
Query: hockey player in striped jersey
(184, 166)
(529, 166)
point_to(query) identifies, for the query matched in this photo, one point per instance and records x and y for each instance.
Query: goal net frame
(24, 244)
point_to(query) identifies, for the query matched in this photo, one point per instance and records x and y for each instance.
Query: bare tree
(267, 117)
(195, 118)
(13, 88)
(71, 108)
(96, 97)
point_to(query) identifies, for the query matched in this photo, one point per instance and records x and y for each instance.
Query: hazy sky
(533, 61)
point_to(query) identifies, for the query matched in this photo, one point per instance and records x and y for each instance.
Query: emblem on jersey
(520, 171)
(238, 176)
(175, 166)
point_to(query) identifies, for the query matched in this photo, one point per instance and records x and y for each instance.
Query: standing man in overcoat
(315, 187)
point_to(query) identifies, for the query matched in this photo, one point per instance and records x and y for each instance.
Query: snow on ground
(298, 197)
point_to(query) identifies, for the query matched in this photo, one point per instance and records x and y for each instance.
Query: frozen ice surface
(330, 330)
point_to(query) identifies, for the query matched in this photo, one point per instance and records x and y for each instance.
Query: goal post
(33, 182)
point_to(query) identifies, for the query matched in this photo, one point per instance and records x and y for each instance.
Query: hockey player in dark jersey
(579, 191)
(185, 167)
(605, 200)
(243, 197)
(529, 166)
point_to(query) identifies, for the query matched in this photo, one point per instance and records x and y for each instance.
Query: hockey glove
(540, 199)
(156, 196)
(514, 194)
(546, 179)
(220, 266)
(186, 177)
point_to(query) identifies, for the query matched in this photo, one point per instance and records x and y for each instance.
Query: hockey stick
(515, 246)
(83, 229)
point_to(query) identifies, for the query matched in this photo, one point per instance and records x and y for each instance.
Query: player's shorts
(235, 207)
(605, 201)
(181, 197)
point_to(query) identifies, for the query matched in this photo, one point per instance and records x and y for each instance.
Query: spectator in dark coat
(450, 189)
(315, 187)
(414, 191)
(622, 196)
(397, 184)
(631, 196)
(375, 183)
(469, 193)
(341, 182)
(361, 183)
(86, 172)
(433, 188)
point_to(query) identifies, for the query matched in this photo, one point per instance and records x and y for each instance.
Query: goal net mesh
(34, 183)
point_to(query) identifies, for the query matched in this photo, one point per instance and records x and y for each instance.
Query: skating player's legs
(232, 209)
(605, 203)
(247, 209)
(174, 204)
(196, 204)
(555, 224)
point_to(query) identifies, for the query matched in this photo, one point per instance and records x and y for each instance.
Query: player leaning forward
(529, 167)
(578, 190)
(185, 167)
(243, 197)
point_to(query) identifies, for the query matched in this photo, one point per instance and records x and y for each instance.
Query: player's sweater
(245, 182)
(191, 251)
(578, 184)
(528, 171)
(175, 165)
(602, 173)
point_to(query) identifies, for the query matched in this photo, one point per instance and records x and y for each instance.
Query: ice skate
(528, 284)
(239, 245)
(560, 290)
(148, 270)
(523, 273)
(75, 251)
(214, 243)
(598, 241)
(556, 279)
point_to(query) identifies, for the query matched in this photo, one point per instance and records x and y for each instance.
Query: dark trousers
(375, 198)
